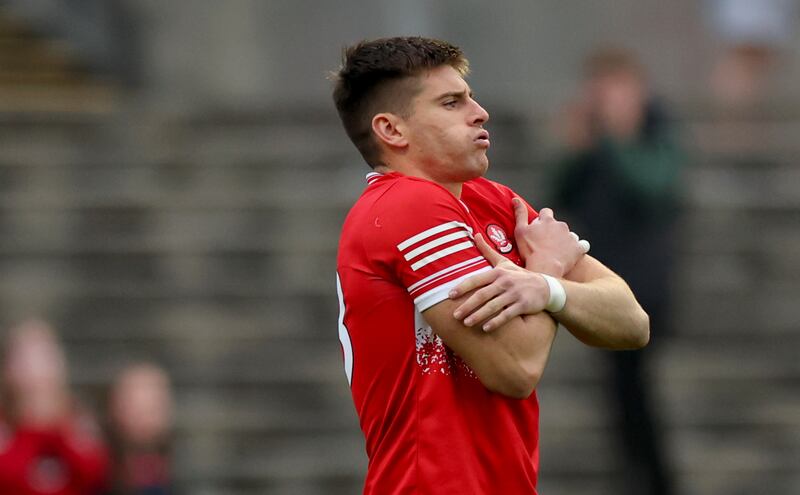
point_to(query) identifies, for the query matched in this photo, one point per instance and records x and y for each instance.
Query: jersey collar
(374, 177)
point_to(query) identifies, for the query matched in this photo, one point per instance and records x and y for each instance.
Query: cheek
(455, 140)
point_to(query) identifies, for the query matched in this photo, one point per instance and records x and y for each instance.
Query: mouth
(483, 138)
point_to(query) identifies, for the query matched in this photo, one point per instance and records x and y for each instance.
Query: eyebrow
(457, 94)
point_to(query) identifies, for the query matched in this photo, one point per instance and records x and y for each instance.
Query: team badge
(499, 238)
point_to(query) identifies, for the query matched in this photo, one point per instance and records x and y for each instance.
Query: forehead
(441, 80)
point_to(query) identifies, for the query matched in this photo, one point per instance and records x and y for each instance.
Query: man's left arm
(600, 308)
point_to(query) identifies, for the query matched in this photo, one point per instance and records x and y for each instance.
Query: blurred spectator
(48, 444)
(618, 186)
(140, 419)
(754, 34)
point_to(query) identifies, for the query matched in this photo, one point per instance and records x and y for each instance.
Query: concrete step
(158, 183)
(238, 274)
(206, 322)
(745, 138)
(771, 312)
(291, 457)
(58, 96)
(751, 190)
(267, 410)
(144, 230)
(212, 362)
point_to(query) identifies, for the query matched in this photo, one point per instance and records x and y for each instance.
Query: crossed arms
(496, 321)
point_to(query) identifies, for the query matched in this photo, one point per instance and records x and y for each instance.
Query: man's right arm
(509, 360)
(421, 236)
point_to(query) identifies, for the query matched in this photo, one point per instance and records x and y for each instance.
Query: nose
(480, 115)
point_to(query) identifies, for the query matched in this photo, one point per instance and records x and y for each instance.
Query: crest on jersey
(499, 238)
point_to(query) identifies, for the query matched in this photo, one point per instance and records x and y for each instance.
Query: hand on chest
(498, 229)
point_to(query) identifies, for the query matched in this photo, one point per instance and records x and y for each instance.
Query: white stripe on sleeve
(445, 272)
(441, 254)
(435, 243)
(431, 232)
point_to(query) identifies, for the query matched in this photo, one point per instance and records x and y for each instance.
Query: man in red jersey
(443, 382)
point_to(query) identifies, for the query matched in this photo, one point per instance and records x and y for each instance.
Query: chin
(481, 167)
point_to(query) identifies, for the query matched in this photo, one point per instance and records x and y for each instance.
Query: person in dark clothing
(618, 184)
(140, 417)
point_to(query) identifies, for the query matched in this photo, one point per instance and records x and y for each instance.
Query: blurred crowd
(617, 179)
(53, 443)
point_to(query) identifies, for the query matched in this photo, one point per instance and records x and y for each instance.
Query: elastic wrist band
(558, 296)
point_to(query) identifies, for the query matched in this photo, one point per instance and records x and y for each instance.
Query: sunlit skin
(442, 139)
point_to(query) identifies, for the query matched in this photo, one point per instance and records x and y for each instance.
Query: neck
(453, 187)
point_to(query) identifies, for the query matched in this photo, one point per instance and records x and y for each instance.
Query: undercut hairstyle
(381, 76)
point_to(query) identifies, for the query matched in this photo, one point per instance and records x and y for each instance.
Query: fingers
(487, 310)
(481, 279)
(473, 282)
(504, 317)
(582, 243)
(520, 212)
(488, 252)
(483, 298)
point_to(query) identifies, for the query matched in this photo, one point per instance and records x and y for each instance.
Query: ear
(389, 130)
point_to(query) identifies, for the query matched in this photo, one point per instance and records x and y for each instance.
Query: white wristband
(558, 296)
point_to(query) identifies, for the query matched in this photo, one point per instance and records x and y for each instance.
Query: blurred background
(173, 178)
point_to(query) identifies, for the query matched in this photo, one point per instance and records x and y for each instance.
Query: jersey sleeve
(426, 237)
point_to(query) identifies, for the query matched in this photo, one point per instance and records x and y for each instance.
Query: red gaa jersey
(431, 427)
(65, 460)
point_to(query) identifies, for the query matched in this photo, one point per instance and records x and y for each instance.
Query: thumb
(520, 212)
(486, 250)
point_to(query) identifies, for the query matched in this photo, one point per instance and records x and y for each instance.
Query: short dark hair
(611, 60)
(378, 76)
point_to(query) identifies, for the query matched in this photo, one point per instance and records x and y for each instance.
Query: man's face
(444, 129)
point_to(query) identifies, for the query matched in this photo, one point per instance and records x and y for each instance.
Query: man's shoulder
(401, 194)
(397, 213)
(396, 204)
